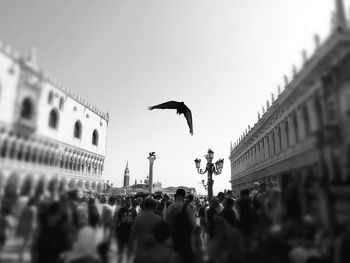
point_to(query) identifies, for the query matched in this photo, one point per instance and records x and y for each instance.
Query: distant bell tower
(126, 175)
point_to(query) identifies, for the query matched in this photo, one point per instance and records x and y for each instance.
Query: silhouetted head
(180, 194)
(229, 202)
(148, 203)
(221, 196)
(190, 197)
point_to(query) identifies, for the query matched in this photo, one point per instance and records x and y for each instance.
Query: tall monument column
(151, 159)
(126, 175)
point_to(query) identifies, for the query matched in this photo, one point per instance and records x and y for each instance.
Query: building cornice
(44, 77)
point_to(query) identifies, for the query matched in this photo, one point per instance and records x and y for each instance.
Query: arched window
(77, 130)
(50, 98)
(27, 109)
(27, 154)
(61, 103)
(34, 155)
(306, 121)
(12, 150)
(4, 147)
(95, 137)
(62, 162)
(20, 152)
(53, 119)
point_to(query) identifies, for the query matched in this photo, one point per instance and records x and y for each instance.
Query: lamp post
(210, 169)
(151, 158)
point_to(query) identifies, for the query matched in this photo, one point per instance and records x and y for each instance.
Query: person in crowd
(212, 213)
(167, 202)
(144, 222)
(221, 199)
(107, 218)
(197, 245)
(159, 206)
(53, 234)
(93, 215)
(247, 216)
(155, 249)
(26, 225)
(4, 226)
(182, 221)
(102, 201)
(191, 204)
(136, 204)
(228, 213)
(201, 215)
(124, 220)
(69, 202)
(227, 245)
(82, 209)
(84, 249)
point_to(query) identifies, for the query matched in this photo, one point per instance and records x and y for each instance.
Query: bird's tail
(150, 108)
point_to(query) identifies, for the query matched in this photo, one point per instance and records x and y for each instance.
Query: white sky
(222, 58)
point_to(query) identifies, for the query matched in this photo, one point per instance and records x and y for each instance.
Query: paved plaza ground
(12, 249)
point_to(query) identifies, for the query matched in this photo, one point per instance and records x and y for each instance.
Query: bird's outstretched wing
(167, 105)
(188, 116)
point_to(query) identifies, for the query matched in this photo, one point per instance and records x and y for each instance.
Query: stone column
(151, 159)
(301, 123)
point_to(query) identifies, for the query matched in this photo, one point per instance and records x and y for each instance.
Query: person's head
(180, 195)
(256, 185)
(213, 203)
(103, 199)
(190, 197)
(128, 202)
(73, 195)
(91, 201)
(148, 204)
(161, 231)
(111, 200)
(166, 197)
(54, 214)
(118, 201)
(244, 192)
(221, 196)
(229, 203)
(158, 197)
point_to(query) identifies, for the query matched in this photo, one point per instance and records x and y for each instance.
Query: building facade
(50, 138)
(304, 134)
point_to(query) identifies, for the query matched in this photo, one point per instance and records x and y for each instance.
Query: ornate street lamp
(211, 169)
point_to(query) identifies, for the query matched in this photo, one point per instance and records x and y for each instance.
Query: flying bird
(180, 107)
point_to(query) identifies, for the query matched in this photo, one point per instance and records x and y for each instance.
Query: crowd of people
(263, 224)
